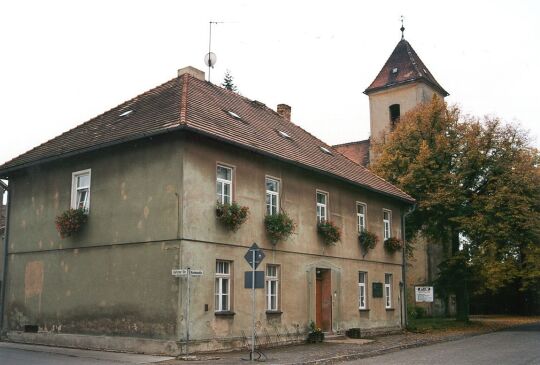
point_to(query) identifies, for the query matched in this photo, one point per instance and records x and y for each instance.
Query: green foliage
(477, 185)
(415, 312)
(231, 215)
(279, 226)
(70, 222)
(393, 244)
(228, 82)
(329, 232)
(368, 240)
(315, 334)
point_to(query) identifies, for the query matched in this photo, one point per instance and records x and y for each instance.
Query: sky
(64, 62)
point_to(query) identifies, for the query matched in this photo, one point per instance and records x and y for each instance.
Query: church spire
(402, 29)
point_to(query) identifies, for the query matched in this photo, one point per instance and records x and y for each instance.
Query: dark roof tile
(189, 103)
(409, 68)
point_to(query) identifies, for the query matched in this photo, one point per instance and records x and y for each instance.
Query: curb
(373, 353)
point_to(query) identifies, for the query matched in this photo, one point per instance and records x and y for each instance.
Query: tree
(477, 186)
(228, 82)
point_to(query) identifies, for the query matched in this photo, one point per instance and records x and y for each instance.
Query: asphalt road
(516, 346)
(18, 354)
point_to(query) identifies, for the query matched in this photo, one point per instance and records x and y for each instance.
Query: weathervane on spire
(402, 29)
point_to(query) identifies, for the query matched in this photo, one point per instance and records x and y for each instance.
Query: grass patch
(436, 324)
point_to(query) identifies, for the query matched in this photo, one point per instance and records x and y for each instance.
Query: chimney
(192, 71)
(284, 111)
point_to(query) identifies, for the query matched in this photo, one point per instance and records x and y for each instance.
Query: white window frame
(362, 290)
(322, 208)
(223, 279)
(388, 290)
(361, 223)
(75, 189)
(269, 295)
(272, 194)
(220, 183)
(387, 224)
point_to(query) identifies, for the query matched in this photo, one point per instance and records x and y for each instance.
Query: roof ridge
(410, 52)
(350, 143)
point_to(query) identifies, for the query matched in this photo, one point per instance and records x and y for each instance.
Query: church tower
(403, 82)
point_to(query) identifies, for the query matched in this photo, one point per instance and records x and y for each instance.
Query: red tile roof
(355, 151)
(191, 104)
(409, 68)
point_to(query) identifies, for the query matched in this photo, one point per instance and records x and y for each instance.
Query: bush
(329, 232)
(393, 244)
(70, 222)
(416, 312)
(231, 215)
(368, 240)
(315, 334)
(279, 226)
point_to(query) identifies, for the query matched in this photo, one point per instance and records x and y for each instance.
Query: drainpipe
(404, 266)
(4, 277)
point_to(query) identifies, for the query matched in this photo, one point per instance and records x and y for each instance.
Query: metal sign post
(187, 273)
(254, 256)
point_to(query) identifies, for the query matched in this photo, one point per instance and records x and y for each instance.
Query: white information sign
(179, 272)
(424, 293)
(196, 272)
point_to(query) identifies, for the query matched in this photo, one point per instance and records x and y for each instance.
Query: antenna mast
(210, 58)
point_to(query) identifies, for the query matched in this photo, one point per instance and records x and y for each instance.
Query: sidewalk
(335, 351)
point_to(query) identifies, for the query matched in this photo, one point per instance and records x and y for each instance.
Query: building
(3, 218)
(403, 82)
(147, 172)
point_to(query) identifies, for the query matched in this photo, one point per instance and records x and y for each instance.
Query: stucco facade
(152, 209)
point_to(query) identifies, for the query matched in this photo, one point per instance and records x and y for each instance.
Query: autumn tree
(228, 82)
(477, 186)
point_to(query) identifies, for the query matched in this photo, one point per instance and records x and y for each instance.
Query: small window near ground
(272, 287)
(223, 286)
(362, 293)
(388, 290)
(80, 190)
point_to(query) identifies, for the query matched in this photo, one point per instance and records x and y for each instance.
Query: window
(272, 196)
(272, 287)
(387, 224)
(362, 295)
(80, 190)
(321, 206)
(223, 286)
(394, 114)
(361, 209)
(224, 184)
(388, 290)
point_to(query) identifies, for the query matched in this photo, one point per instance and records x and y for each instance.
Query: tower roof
(403, 67)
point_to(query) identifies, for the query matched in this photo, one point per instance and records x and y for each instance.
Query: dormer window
(394, 115)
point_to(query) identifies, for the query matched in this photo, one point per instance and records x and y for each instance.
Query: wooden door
(323, 299)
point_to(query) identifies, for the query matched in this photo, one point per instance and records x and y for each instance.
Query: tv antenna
(210, 59)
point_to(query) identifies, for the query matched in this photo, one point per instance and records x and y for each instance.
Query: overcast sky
(64, 62)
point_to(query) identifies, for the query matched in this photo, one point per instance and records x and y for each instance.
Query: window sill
(390, 309)
(278, 312)
(364, 310)
(224, 314)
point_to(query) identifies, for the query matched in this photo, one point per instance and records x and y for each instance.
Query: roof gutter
(406, 82)
(188, 128)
